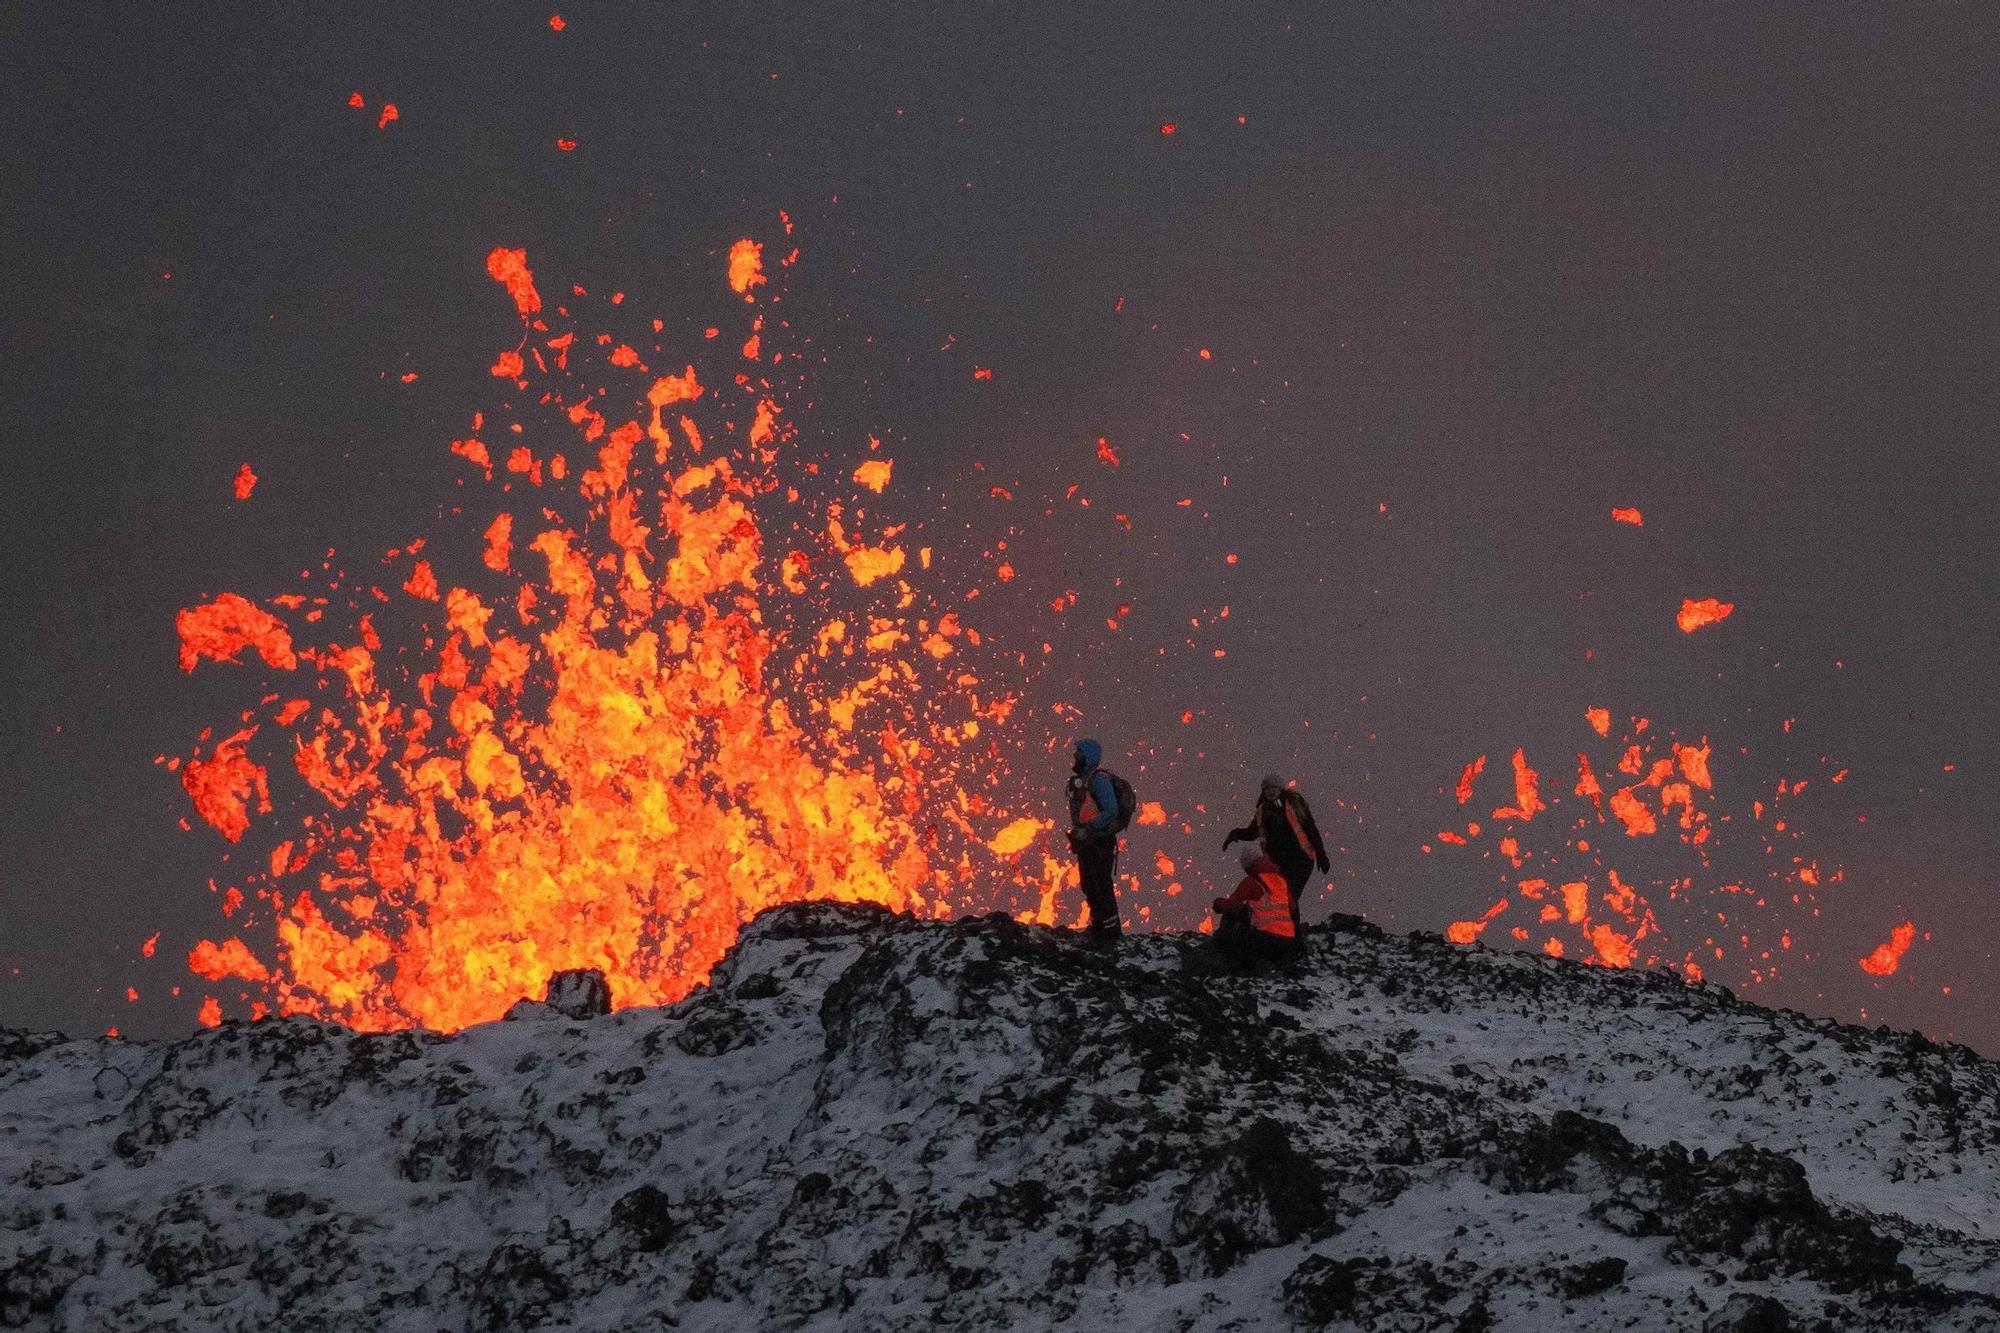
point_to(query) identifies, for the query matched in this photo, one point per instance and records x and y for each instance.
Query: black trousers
(1296, 874)
(1240, 943)
(1097, 866)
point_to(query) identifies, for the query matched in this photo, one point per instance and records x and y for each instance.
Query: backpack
(1128, 800)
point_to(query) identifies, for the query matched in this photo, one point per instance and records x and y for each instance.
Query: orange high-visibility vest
(1298, 831)
(1291, 820)
(1272, 913)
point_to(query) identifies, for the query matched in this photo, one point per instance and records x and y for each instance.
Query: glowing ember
(1693, 615)
(1632, 516)
(226, 626)
(246, 482)
(1016, 836)
(605, 726)
(509, 268)
(874, 474)
(746, 267)
(231, 958)
(1888, 955)
(1468, 777)
(1465, 932)
(1527, 792)
(227, 786)
(1668, 798)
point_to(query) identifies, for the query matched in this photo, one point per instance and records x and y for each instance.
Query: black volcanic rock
(1257, 1191)
(875, 1122)
(1746, 1313)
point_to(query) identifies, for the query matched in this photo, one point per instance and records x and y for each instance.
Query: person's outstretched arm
(1249, 891)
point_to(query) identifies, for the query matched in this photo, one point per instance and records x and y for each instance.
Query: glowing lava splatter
(1888, 955)
(667, 678)
(1581, 879)
(1708, 611)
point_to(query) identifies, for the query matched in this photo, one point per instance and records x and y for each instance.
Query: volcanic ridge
(873, 1122)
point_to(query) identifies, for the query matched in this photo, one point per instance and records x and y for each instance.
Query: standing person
(1284, 823)
(1093, 836)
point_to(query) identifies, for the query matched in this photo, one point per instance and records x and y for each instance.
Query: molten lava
(1670, 791)
(1708, 611)
(1888, 955)
(662, 680)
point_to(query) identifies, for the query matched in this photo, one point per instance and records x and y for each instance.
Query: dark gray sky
(1494, 267)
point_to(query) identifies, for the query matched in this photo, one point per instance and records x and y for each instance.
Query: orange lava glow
(1527, 792)
(1708, 611)
(227, 787)
(220, 629)
(509, 268)
(1016, 837)
(231, 958)
(874, 474)
(1468, 777)
(659, 679)
(246, 482)
(1632, 516)
(1465, 932)
(1888, 955)
(746, 267)
(1668, 797)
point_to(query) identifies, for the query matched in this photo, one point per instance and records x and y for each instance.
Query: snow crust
(872, 1122)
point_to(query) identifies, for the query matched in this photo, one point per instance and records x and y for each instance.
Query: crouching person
(1255, 922)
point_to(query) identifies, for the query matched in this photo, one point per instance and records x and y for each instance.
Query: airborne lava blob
(1579, 882)
(669, 679)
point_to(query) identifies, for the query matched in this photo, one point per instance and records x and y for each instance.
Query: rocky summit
(867, 1121)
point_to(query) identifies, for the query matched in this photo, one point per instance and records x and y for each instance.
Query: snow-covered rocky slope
(876, 1123)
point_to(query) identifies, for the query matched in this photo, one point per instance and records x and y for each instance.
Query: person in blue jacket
(1093, 836)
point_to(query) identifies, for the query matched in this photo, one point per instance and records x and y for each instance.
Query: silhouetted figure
(1256, 924)
(1093, 836)
(1284, 823)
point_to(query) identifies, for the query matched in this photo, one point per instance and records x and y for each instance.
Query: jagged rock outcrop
(583, 993)
(868, 1121)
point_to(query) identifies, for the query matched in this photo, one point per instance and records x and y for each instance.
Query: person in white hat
(1283, 823)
